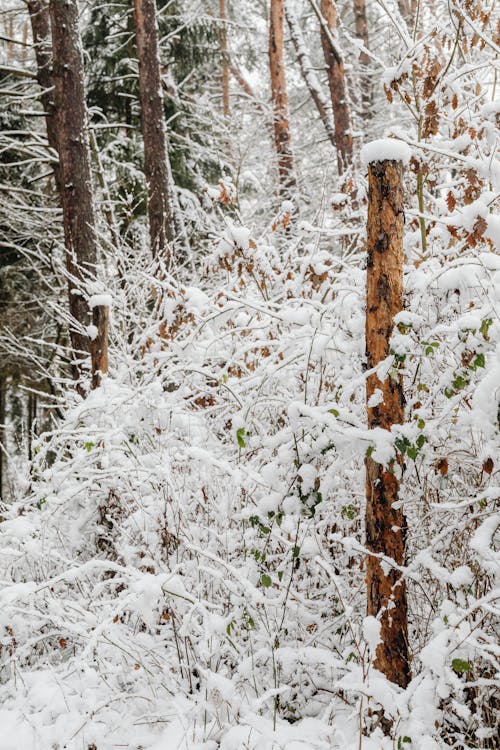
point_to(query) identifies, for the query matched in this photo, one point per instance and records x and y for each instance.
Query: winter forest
(249, 374)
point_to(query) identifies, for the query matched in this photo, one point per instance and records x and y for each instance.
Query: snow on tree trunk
(279, 95)
(385, 524)
(336, 80)
(361, 28)
(74, 165)
(165, 230)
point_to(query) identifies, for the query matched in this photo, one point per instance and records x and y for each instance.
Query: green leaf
(88, 446)
(478, 362)
(459, 665)
(265, 580)
(334, 412)
(240, 437)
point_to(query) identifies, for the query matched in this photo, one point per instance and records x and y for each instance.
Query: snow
(100, 300)
(385, 149)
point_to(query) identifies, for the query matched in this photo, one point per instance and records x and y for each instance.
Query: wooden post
(385, 524)
(99, 343)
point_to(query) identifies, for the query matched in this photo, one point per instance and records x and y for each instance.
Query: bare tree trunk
(165, 226)
(385, 524)
(279, 95)
(225, 59)
(74, 166)
(2, 433)
(336, 80)
(361, 27)
(99, 343)
(40, 28)
(309, 74)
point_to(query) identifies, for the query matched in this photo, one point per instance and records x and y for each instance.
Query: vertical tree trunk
(99, 343)
(225, 59)
(385, 525)
(309, 74)
(163, 215)
(2, 433)
(336, 80)
(74, 166)
(361, 27)
(279, 95)
(40, 28)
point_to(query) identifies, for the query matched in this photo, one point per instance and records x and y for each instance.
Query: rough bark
(361, 28)
(164, 220)
(225, 59)
(279, 95)
(336, 81)
(99, 344)
(40, 28)
(74, 165)
(309, 75)
(385, 524)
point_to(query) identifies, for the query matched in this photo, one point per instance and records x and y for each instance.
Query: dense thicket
(266, 514)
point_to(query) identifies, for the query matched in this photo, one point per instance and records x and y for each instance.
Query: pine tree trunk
(279, 95)
(40, 28)
(74, 166)
(309, 75)
(385, 525)
(164, 220)
(99, 344)
(336, 80)
(361, 27)
(225, 60)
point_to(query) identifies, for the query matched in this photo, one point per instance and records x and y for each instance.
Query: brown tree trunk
(225, 60)
(361, 27)
(385, 525)
(164, 220)
(336, 80)
(309, 74)
(99, 343)
(279, 95)
(74, 166)
(40, 28)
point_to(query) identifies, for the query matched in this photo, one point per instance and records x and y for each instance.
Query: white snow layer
(385, 148)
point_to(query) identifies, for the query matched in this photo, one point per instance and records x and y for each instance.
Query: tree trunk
(279, 95)
(74, 166)
(99, 343)
(225, 59)
(309, 74)
(165, 226)
(40, 28)
(2, 433)
(361, 27)
(336, 80)
(385, 525)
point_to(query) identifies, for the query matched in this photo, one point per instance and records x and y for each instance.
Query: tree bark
(309, 74)
(74, 165)
(40, 28)
(385, 524)
(2, 433)
(225, 60)
(165, 226)
(99, 344)
(279, 96)
(336, 80)
(361, 27)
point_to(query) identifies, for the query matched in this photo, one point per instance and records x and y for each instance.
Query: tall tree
(309, 74)
(336, 80)
(74, 165)
(225, 59)
(279, 95)
(361, 28)
(385, 523)
(165, 227)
